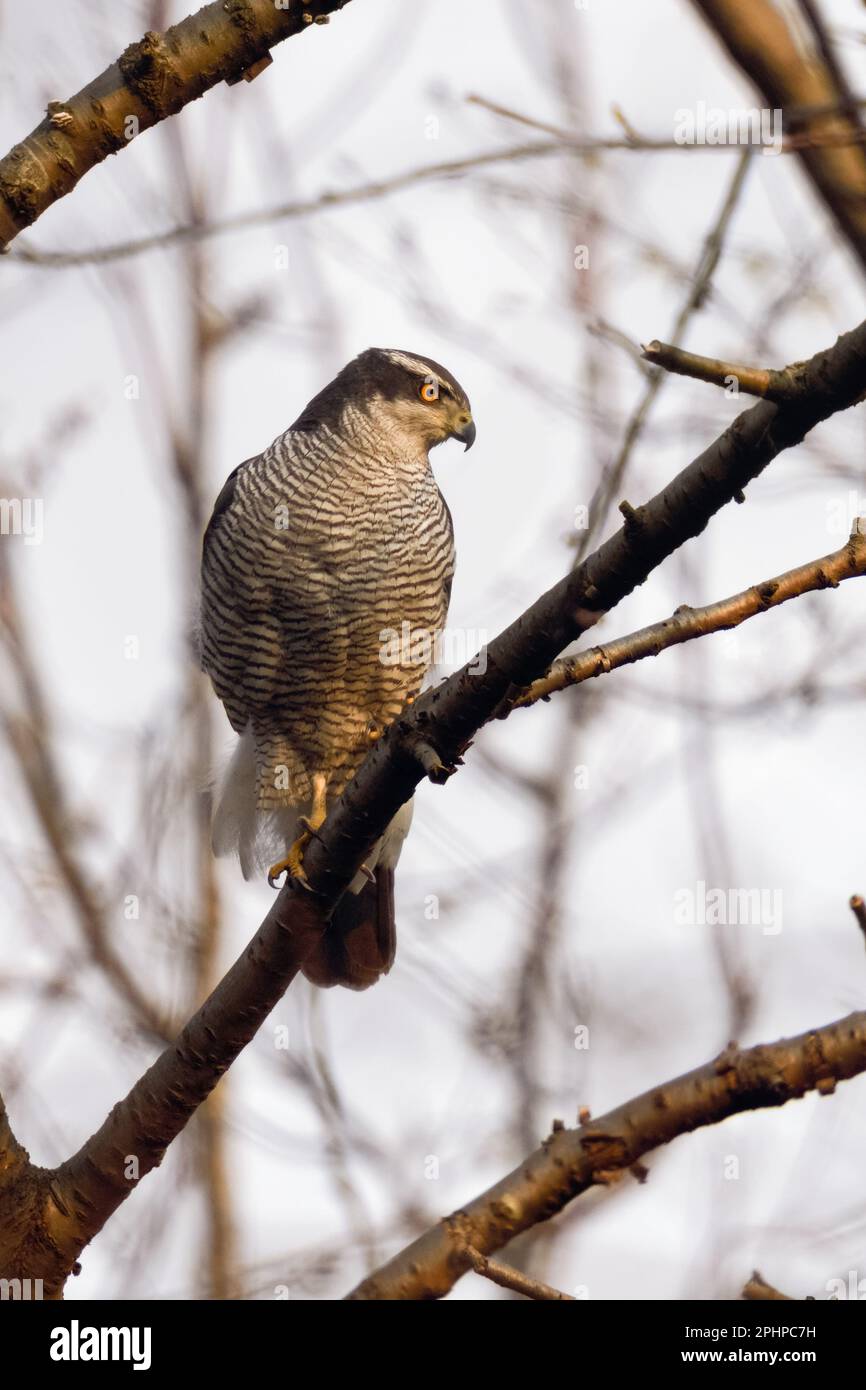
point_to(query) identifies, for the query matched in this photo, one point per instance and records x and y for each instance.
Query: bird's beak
(467, 434)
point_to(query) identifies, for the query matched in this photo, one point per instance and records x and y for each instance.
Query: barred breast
(326, 576)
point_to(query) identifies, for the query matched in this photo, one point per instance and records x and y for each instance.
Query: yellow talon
(293, 864)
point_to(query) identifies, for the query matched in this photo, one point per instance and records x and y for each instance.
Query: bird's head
(411, 398)
(422, 397)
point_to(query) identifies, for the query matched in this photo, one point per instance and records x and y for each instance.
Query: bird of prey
(322, 556)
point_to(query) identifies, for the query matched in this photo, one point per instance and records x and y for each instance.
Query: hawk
(325, 581)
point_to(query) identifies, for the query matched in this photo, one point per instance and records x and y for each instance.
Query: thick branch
(12, 1155)
(689, 623)
(20, 1230)
(759, 39)
(69, 1205)
(151, 80)
(572, 1160)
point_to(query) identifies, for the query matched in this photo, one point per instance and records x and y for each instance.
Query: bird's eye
(429, 391)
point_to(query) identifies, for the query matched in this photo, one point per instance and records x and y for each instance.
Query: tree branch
(151, 80)
(759, 39)
(20, 1231)
(323, 202)
(69, 1205)
(513, 1279)
(765, 382)
(572, 1160)
(689, 623)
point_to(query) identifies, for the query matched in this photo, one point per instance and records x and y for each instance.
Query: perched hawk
(326, 574)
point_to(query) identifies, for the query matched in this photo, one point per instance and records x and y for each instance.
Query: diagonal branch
(758, 37)
(305, 207)
(69, 1205)
(572, 1160)
(689, 623)
(151, 80)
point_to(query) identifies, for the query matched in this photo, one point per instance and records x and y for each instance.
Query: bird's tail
(241, 825)
(360, 942)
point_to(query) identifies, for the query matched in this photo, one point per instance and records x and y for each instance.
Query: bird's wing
(268, 602)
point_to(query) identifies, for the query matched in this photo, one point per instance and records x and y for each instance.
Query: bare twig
(513, 1279)
(324, 202)
(368, 191)
(791, 144)
(689, 623)
(765, 382)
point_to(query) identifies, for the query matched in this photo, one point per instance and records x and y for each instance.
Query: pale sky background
(480, 281)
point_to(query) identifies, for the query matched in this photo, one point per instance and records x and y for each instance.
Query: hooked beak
(466, 435)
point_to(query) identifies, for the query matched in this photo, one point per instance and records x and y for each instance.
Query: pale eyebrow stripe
(413, 364)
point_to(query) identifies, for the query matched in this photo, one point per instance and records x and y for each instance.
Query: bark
(48, 1216)
(688, 623)
(151, 80)
(757, 36)
(572, 1160)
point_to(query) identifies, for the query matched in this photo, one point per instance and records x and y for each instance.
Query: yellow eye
(429, 391)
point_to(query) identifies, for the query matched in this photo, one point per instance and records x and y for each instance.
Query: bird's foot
(293, 864)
